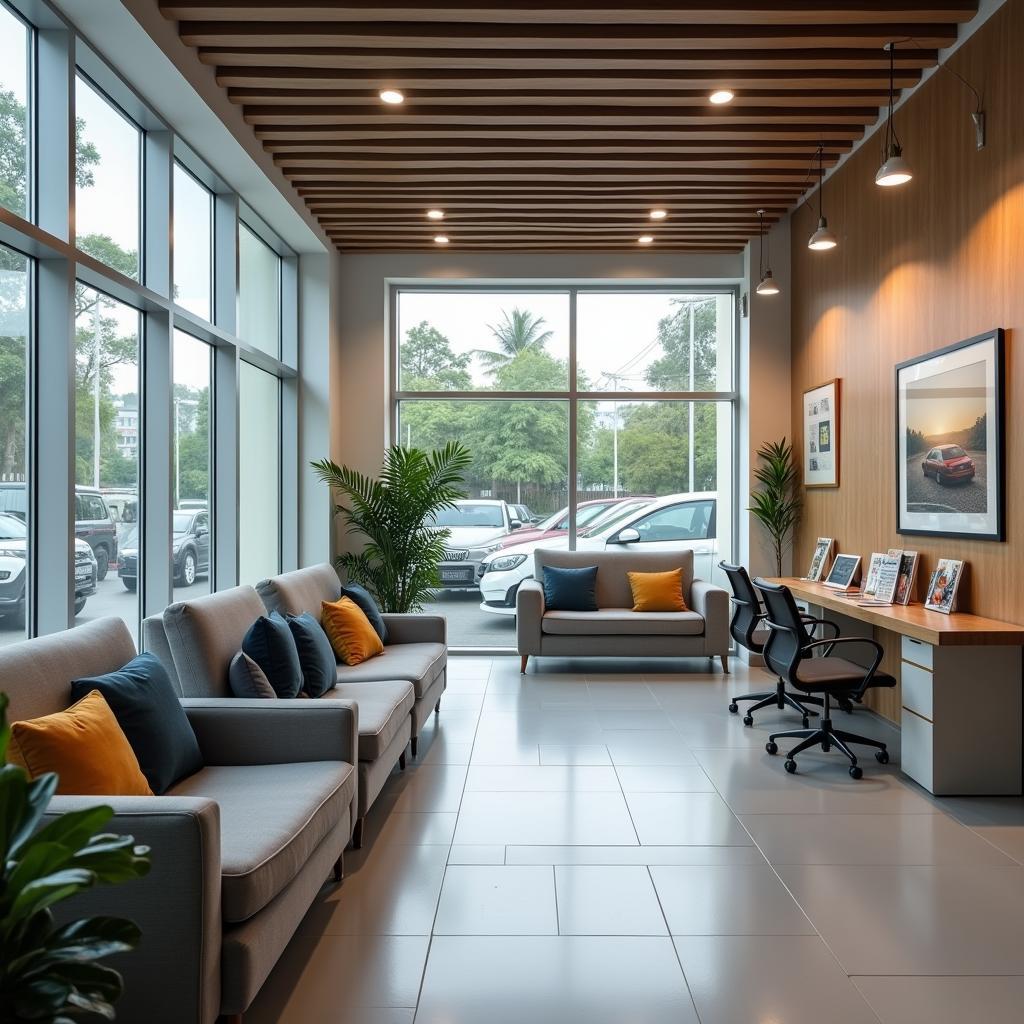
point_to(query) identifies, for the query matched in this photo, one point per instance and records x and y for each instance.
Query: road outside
(958, 497)
(467, 625)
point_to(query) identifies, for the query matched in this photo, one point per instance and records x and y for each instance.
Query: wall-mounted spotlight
(766, 284)
(894, 170)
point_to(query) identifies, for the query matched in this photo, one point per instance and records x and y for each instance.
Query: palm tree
(519, 332)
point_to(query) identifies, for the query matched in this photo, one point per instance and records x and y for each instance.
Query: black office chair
(789, 654)
(747, 618)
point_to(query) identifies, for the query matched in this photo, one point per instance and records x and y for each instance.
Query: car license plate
(82, 577)
(457, 576)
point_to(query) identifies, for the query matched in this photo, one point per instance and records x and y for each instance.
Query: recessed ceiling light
(645, 239)
(659, 214)
(435, 214)
(392, 96)
(441, 239)
(720, 96)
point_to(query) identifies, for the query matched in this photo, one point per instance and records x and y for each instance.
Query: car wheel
(129, 584)
(79, 604)
(188, 569)
(940, 479)
(102, 563)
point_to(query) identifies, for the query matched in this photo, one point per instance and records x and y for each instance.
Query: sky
(946, 402)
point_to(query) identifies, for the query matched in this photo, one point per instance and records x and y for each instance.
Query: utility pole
(96, 393)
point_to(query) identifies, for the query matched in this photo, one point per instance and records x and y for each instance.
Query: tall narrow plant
(777, 504)
(395, 515)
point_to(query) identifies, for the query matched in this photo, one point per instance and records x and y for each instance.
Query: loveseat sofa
(239, 849)
(615, 630)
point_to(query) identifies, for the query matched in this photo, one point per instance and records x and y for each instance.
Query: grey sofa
(201, 637)
(239, 850)
(416, 649)
(615, 630)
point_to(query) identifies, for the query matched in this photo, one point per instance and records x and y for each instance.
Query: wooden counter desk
(960, 689)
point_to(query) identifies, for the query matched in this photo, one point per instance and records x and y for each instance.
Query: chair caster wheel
(733, 708)
(856, 771)
(748, 719)
(772, 747)
(882, 756)
(790, 766)
(806, 722)
(846, 706)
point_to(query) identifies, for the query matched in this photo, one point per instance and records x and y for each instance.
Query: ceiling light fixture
(720, 96)
(894, 170)
(392, 96)
(766, 284)
(441, 239)
(435, 214)
(659, 214)
(645, 239)
(823, 238)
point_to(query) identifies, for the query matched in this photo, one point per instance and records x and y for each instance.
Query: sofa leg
(338, 872)
(413, 744)
(725, 663)
(437, 707)
(357, 834)
(522, 664)
(401, 761)
(232, 1018)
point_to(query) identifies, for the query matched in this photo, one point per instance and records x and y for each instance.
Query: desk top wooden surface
(956, 630)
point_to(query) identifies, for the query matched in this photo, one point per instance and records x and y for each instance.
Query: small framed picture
(821, 435)
(844, 572)
(943, 586)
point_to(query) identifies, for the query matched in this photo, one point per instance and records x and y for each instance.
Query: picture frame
(943, 586)
(845, 572)
(821, 421)
(950, 441)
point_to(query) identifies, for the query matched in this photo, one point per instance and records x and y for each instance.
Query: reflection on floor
(615, 848)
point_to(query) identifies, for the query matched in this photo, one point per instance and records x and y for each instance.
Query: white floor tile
(726, 855)
(476, 855)
(431, 788)
(489, 900)
(944, 1000)
(647, 747)
(603, 900)
(581, 754)
(669, 778)
(685, 819)
(434, 828)
(540, 779)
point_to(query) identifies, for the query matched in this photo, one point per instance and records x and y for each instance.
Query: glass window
(691, 520)
(259, 293)
(14, 505)
(108, 179)
(259, 474)
(193, 244)
(15, 40)
(107, 444)
(191, 544)
(483, 341)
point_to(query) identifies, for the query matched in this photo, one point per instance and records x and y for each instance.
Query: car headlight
(504, 563)
(12, 552)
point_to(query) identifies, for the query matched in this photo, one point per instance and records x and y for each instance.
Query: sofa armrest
(529, 613)
(176, 905)
(712, 603)
(416, 629)
(240, 731)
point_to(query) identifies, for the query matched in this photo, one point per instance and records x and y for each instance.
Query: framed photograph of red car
(949, 441)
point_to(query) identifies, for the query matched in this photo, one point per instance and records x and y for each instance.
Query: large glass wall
(193, 244)
(647, 423)
(259, 469)
(259, 292)
(15, 124)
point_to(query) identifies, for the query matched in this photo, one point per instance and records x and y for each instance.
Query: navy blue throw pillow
(363, 598)
(316, 655)
(146, 707)
(270, 644)
(570, 590)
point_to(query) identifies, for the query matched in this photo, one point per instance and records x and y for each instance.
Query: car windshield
(12, 529)
(182, 522)
(953, 452)
(470, 515)
(613, 516)
(555, 522)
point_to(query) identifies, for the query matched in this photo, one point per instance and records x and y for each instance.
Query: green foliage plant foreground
(777, 504)
(394, 514)
(50, 973)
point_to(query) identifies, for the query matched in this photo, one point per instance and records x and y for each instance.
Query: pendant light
(766, 283)
(823, 238)
(894, 170)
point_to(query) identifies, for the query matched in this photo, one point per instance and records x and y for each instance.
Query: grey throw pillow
(247, 679)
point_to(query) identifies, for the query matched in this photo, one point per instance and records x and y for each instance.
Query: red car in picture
(948, 463)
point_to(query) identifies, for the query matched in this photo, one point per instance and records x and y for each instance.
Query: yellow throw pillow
(657, 591)
(349, 630)
(85, 746)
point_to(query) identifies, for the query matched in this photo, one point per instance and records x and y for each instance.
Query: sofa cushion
(148, 710)
(272, 818)
(316, 656)
(271, 645)
(384, 707)
(419, 664)
(623, 622)
(363, 598)
(353, 638)
(247, 679)
(657, 591)
(570, 589)
(302, 590)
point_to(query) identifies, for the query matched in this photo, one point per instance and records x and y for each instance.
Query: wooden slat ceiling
(552, 125)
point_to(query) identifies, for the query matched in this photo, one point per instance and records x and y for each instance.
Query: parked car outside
(677, 522)
(476, 527)
(190, 550)
(948, 463)
(524, 514)
(587, 512)
(14, 566)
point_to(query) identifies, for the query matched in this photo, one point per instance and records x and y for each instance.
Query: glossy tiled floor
(584, 847)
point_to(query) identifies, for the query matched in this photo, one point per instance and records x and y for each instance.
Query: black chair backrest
(785, 645)
(746, 616)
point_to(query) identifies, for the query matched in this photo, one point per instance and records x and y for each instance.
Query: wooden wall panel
(919, 267)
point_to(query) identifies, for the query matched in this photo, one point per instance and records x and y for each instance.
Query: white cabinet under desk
(962, 693)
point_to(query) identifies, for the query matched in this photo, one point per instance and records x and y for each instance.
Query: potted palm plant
(52, 973)
(777, 505)
(395, 514)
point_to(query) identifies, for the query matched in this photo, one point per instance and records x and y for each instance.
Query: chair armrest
(236, 731)
(176, 905)
(712, 603)
(416, 629)
(529, 613)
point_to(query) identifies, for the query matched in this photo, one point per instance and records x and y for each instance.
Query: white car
(475, 527)
(676, 522)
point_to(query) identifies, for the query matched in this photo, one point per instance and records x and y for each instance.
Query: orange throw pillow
(349, 630)
(85, 746)
(657, 591)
